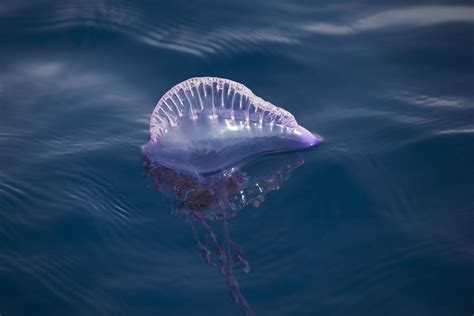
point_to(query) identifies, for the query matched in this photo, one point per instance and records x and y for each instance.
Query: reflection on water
(218, 198)
(377, 222)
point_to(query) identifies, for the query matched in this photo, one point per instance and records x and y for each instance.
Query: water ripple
(167, 30)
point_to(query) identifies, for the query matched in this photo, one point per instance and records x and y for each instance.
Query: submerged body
(209, 202)
(204, 125)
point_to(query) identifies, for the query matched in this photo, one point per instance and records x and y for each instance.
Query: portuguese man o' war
(204, 134)
(204, 125)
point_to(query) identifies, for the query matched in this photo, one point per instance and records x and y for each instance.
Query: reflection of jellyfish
(204, 200)
(202, 132)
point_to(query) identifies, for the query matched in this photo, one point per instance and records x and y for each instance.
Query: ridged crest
(215, 98)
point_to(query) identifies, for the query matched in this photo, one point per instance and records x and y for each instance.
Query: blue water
(377, 221)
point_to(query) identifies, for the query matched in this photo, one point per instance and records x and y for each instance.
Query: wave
(160, 27)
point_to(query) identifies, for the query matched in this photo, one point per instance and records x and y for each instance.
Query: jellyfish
(214, 149)
(205, 125)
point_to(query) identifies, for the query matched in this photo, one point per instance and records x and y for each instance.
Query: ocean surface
(378, 220)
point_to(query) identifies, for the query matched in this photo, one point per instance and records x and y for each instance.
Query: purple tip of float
(307, 138)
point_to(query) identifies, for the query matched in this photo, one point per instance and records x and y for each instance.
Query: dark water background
(378, 221)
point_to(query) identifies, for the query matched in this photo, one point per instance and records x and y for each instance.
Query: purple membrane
(206, 124)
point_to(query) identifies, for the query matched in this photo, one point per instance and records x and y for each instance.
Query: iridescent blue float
(204, 125)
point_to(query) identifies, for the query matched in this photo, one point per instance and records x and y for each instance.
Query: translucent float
(204, 125)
